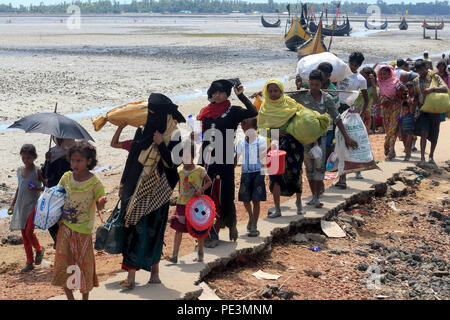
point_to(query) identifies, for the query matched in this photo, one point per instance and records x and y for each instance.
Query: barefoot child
(74, 249)
(27, 194)
(193, 182)
(253, 188)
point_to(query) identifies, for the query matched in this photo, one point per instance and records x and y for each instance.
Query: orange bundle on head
(132, 114)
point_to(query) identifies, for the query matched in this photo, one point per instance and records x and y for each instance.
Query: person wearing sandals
(317, 100)
(274, 115)
(252, 189)
(427, 124)
(354, 82)
(219, 118)
(391, 100)
(147, 183)
(193, 182)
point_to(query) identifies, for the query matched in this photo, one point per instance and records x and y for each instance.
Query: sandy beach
(114, 60)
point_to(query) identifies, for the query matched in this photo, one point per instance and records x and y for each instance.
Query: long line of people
(151, 172)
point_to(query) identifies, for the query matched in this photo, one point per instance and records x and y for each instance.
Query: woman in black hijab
(143, 243)
(220, 115)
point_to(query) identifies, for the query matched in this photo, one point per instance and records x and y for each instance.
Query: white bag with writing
(49, 207)
(361, 158)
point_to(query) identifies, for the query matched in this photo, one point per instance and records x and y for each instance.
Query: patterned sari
(391, 118)
(74, 251)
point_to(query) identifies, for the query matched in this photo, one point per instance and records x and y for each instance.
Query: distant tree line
(222, 6)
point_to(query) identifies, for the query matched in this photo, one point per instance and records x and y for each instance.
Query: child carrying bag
(110, 237)
(49, 207)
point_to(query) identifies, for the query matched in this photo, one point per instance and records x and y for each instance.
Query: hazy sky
(37, 2)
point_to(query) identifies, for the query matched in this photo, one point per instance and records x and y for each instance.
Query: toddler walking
(193, 182)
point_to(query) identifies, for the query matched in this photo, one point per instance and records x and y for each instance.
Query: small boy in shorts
(252, 189)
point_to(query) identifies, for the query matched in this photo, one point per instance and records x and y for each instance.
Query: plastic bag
(316, 152)
(133, 114)
(307, 125)
(196, 127)
(49, 207)
(307, 64)
(436, 102)
(361, 158)
(350, 98)
(332, 162)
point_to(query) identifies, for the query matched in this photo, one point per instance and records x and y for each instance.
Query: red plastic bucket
(276, 161)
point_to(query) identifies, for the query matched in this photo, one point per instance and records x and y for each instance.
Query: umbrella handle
(50, 143)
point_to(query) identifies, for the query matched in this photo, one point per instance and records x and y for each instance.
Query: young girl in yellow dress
(74, 248)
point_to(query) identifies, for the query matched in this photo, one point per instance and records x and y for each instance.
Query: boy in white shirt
(252, 189)
(353, 83)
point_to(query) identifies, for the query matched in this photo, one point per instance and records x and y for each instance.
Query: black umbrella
(54, 124)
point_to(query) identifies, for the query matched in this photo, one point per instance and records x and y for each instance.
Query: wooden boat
(313, 45)
(403, 24)
(372, 27)
(296, 35)
(303, 22)
(429, 27)
(339, 30)
(270, 25)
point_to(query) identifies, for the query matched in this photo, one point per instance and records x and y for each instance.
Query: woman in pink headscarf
(391, 99)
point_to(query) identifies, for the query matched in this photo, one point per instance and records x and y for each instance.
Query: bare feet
(154, 279)
(199, 258)
(127, 284)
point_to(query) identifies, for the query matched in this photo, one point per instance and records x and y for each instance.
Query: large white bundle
(49, 207)
(307, 64)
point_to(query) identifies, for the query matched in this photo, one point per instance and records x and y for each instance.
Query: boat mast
(334, 25)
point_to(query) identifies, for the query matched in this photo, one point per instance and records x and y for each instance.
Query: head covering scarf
(220, 85)
(215, 110)
(61, 150)
(388, 87)
(276, 113)
(159, 106)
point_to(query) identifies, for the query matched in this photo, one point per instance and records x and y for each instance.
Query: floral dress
(291, 180)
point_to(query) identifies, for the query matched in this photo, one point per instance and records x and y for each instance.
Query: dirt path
(13, 257)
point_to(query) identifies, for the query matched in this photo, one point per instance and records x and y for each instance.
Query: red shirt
(127, 145)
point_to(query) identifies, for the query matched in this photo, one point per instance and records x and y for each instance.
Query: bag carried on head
(340, 69)
(110, 237)
(49, 207)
